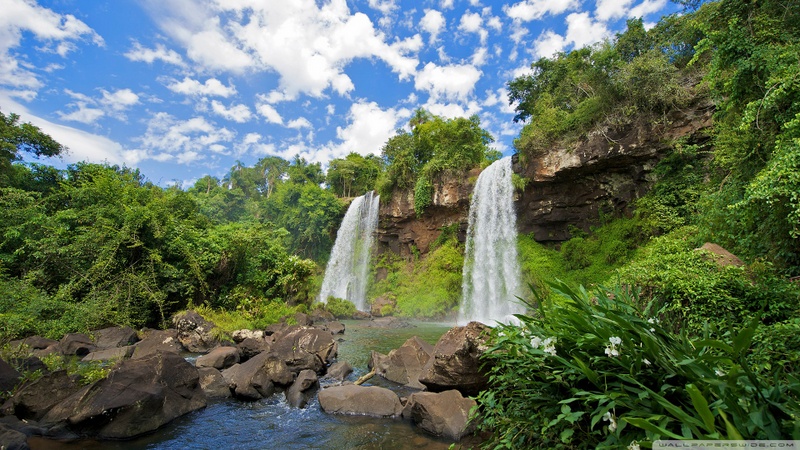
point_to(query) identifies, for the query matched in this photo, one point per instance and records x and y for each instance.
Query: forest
(630, 334)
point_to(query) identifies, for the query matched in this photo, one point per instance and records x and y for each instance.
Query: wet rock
(303, 389)
(389, 322)
(157, 341)
(33, 400)
(250, 347)
(240, 335)
(220, 358)
(303, 320)
(213, 383)
(76, 344)
(339, 370)
(9, 377)
(110, 354)
(256, 378)
(137, 397)
(305, 348)
(275, 328)
(456, 363)
(194, 332)
(320, 315)
(441, 414)
(332, 327)
(11, 439)
(361, 315)
(34, 342)
(360, 400)
(404, 364)
(114, 337)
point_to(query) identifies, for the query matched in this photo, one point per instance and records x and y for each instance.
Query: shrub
(340, 308)
(593, 371)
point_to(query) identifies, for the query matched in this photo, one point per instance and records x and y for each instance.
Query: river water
(272, 424)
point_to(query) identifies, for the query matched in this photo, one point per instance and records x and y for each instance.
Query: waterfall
(491, 274)
(347, 272)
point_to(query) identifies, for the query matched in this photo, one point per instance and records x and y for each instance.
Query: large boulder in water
(33, 400)
(456, 361)
(303, 389)
(404, 364)
(441, 414)
(157, 341)
(256, 378)
(194, 332)
(305, 348)
(113, 337)
(360, 400)
(213, 383)
(220, 358)
(137, 397)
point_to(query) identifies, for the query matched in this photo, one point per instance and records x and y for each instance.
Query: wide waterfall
(347, 272)
(491, 274)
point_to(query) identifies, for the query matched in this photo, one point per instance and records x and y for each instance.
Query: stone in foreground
(360, 400)
(456, 363)
(441, 414)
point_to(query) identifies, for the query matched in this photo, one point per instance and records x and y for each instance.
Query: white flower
(719, 372)
(551, 350)
(633, 446)
(650, 321)
(612, 351)
(615, 340)
(612, 422)
(646, 363)
(536, 341)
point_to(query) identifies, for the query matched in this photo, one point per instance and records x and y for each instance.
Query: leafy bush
(592, 370)
(340, 308)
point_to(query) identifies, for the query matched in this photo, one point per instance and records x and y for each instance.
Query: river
(272, 424)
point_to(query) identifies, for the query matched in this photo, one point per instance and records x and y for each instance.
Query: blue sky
(185, 88)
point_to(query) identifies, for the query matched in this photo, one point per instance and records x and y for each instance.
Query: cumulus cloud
(120, 99)
(268, 111)
(583, 31)
(184, 141)
(56, 31)
(548, 44)
(433, 23)
(88, 110)
(237, 113)
(150, 55)
(192, 87)
(305, 42)
(384, 6)
(528, 10)
(452, 82)
(473, 23)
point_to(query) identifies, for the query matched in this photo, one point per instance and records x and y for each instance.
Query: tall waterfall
(491, 274)
(347, 272)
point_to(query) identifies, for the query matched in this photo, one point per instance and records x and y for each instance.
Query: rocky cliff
(568, 185)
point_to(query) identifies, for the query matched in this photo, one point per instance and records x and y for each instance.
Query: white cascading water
(347, 272)
(491, 274)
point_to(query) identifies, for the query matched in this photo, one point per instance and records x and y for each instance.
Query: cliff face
(566, 185)
(604, 172)
(401, 231)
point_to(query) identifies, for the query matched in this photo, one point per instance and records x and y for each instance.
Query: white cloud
(452, 110)
(495, 23)
(479, 56)
(56, 31)
(528, 10)
(453, 82)
(583, 31)
(384, 6)
(149, 55)
(299, 123)
(184, 141)
(646, 8)
(548, 44)
(89, 110)
(83, 114)
(611, 9)
(307, 43)
(192, 87)
(433, 23)
(446, 4)
(268, 112)
(237, 113)
(119, 100)
(473, 23)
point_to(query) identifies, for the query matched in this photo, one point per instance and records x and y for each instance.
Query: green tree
(16, 138)
(353, 175)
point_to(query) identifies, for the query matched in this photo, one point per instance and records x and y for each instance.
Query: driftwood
(365, 377)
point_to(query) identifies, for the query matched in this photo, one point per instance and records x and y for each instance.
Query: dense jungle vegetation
(662, 343)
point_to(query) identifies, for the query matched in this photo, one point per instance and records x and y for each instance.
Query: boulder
(303, 389)
(441, 414)
(219, 358)
(360, 400)
(456, 363)
(303, 319)
(382, 306)
(30, 364)
(114, 337)
(137, 397)
(110, 354)
(722, 257)
(388, 322)
(76, 344)
(9, 377)
(11, 439)
(305, 348)
(404, 364)
(339, 370)
(332, 327)
(157, 341)
(275, 328)
(213, 383)
(34, 342)
(256, 378)
(252, 346)
(320, 315)
(240, 335)
(361, 315)
(34, 399)
(194, 332)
